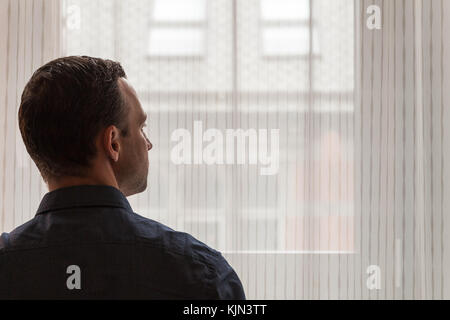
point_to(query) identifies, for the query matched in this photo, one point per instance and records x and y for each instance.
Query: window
(177, 28)
(286, 28)
(232, 207)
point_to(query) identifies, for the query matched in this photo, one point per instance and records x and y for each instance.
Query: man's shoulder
(187, 261)
(14, 237)
(4, 241)
(152, 233)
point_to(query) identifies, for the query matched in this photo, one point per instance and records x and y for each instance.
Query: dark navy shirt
(85, 242)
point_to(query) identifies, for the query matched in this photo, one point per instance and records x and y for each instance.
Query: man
(83, 126)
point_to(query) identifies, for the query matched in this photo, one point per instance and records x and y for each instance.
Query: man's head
(80, 119)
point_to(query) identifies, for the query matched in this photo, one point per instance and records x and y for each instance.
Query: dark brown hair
(63, 108)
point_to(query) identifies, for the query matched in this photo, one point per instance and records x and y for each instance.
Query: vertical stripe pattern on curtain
(29, 37)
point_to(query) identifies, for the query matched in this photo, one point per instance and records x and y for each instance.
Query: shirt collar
(83, 196)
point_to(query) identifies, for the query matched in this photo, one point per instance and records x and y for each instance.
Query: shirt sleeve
(226, 284)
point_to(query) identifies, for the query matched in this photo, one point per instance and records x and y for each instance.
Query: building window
(286, 28)
(177, 28)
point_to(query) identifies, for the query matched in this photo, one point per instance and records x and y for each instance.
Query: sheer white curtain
(403, 149)
(29, 37)
(360, 177)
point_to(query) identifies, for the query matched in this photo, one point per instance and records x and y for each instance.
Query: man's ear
(112, 143)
